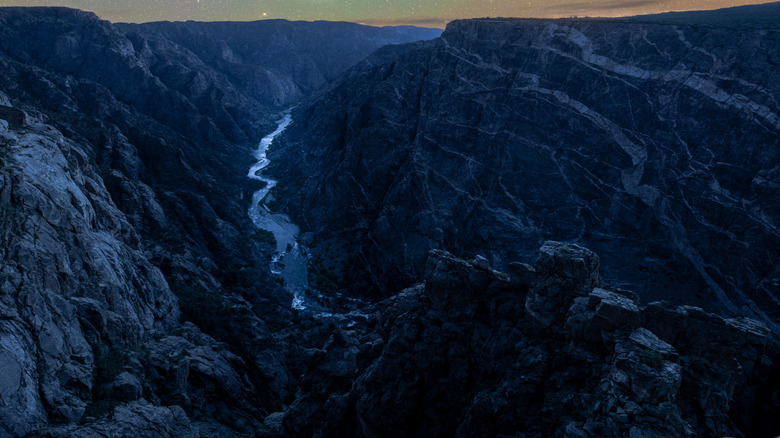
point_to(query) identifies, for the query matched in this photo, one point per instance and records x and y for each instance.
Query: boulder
(126, 387)
(643, 375)
(274, 422)
(139, 419)
(647, 340)
(565, 271)
(611, 311)
(480, 262)
(569, 261)
(15, 117)
(451, 283)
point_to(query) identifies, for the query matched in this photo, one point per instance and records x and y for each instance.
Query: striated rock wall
(655, 145)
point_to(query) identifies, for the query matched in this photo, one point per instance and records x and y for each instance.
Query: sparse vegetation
(653, 359)
(201, 307)
(109, 362)
(263, 236)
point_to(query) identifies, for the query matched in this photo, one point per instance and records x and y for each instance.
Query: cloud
(600, 6)
(438, 22)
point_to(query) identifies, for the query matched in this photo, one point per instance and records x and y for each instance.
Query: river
(290, 259)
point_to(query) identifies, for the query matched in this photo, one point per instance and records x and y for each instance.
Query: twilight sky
(375, 12)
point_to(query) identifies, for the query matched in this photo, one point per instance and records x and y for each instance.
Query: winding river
(290, 259)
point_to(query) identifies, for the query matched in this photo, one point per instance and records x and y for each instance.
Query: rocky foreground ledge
(540, 351)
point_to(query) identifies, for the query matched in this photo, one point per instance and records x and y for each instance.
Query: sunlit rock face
(654, 145)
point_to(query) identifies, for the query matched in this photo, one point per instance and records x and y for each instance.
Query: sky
(432, 13)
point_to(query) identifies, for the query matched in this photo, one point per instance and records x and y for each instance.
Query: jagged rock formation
(90, 323)
(470, 353)
(122, 163)
(654, 145)
(133, 303)
(74, 278)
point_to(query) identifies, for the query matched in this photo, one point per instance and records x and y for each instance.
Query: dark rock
(122, 209)
(600, 313)
(732, 343)
(612, 310)
(138, 419)
(126, 387)
(300, 59)
(121, 212)
(569, 261)
(522, 275)
(75, 275)
(459, 357)
(451, 282)
(458, 143)
(274, 421)
(566, 271)
(643, 375)
(481, 262)
(646, 339)
(192, 370)
(15, 117)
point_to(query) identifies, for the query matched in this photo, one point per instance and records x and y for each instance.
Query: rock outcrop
(75, 279)
(464, 355)
(654, 145)
(123, 157)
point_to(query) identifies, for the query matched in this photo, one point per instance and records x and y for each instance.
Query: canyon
(654, 145)
(539, 227)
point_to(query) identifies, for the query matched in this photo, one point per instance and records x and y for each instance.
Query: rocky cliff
(280, 61)
(542, 351)
(135, 298)
(654, 145)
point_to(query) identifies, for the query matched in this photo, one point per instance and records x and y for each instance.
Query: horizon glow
(432, 13)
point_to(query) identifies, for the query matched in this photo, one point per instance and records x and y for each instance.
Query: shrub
(653, 359)
(263, 236)
(201, 307)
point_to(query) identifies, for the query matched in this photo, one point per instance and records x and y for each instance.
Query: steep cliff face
(123, 215)
(133, 302)
(74, 279)
(155, 78)
(655, 145)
